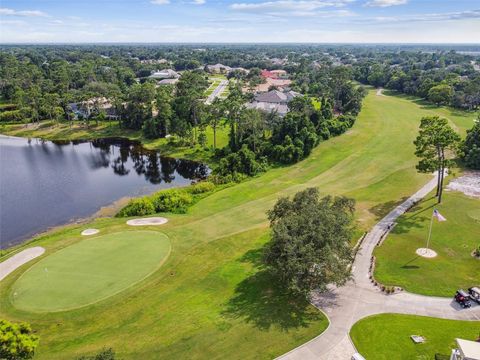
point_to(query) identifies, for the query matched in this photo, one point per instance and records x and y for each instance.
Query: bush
(201, 187)
(138, 207)
(172, 201)
(11, 116)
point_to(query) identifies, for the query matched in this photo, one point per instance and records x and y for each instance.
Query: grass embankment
(49, 130)
(454, 241)
(212, 298)
(387, 336)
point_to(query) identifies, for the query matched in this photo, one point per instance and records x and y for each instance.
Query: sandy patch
(147, 221)
(88, 232)
(469, 184)
(426, 253)
(380, 92)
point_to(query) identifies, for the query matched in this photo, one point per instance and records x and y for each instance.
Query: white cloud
(28, 13)
(198, 2)
(385, 3)
(160, 2)
(300, 6)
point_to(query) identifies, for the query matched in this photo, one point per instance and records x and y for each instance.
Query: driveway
(346, 305)
(217, 92)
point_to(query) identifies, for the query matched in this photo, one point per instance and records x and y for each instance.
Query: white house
(466, 350)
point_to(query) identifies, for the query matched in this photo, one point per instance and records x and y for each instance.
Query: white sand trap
(147, 221)
(469, 184)
(426, 253)
(87, 232)
(17, 260)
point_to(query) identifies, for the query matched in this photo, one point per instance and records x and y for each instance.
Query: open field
(90, 270)
(212, 297)
(453, 240)
(387, 337)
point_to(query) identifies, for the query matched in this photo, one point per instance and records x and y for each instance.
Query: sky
(240, 21)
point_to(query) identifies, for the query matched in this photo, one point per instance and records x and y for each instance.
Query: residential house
(218, 69)
(168, 81)
(273, 101)
(274, 74)
(164, 74)
(91, 107)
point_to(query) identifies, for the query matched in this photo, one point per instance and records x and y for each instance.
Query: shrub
(201, 187)
(17, 340)
(172, 201)
(138, 207)
(11, 116)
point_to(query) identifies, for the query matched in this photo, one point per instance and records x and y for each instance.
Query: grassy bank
(387, 336)
(453, 240)
(49, 130)
(212, 298)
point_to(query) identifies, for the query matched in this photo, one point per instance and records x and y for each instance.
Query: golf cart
(462, 298)
(475, 294)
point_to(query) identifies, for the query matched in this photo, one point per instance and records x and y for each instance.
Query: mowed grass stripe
(90, 270)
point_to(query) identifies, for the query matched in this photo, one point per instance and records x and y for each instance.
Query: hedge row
(171, 200)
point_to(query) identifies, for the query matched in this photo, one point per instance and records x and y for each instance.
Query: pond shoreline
(96, 179)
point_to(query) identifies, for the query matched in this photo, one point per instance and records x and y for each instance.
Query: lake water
(45, 184)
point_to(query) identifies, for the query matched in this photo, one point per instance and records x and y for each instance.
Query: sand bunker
(469, 184)
(87, 232)
(426, 253)
(147, 221)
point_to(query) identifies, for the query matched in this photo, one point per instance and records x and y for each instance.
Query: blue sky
(390, 21)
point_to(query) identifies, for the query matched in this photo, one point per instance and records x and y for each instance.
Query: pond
(49, 183)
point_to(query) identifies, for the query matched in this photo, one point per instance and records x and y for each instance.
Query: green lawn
(90, 270)
(453, 240)
(387, 336)
(212, 298)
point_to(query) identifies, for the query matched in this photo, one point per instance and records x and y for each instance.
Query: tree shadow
(262, 301)
(380, 210)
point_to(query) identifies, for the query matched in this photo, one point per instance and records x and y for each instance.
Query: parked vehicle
(475, 294)
(462, 298)
(357, 356)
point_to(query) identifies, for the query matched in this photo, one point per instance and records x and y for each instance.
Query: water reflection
(44, 183)
(116, 153)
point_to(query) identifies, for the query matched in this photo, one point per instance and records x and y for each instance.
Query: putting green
(90, 271)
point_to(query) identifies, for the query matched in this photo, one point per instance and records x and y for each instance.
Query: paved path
(346, 305)
(217, 92)
(17, 260)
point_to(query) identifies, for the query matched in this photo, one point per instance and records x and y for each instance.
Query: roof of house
(168, 81)
(269, 74)
(469, 349)
(219, 67)
(164, 74)
(281, 109)
(276, 96)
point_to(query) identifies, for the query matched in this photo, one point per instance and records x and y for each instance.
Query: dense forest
(42, 82)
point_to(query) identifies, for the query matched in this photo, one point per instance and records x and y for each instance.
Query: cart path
(17, 260)
(346, 305)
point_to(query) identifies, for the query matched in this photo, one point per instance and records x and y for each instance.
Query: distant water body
(45, 183)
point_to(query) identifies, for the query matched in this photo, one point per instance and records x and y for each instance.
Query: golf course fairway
(90, 270)
(213, 298)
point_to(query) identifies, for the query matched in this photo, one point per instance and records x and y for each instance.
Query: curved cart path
(346, 305)
(17, 260)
